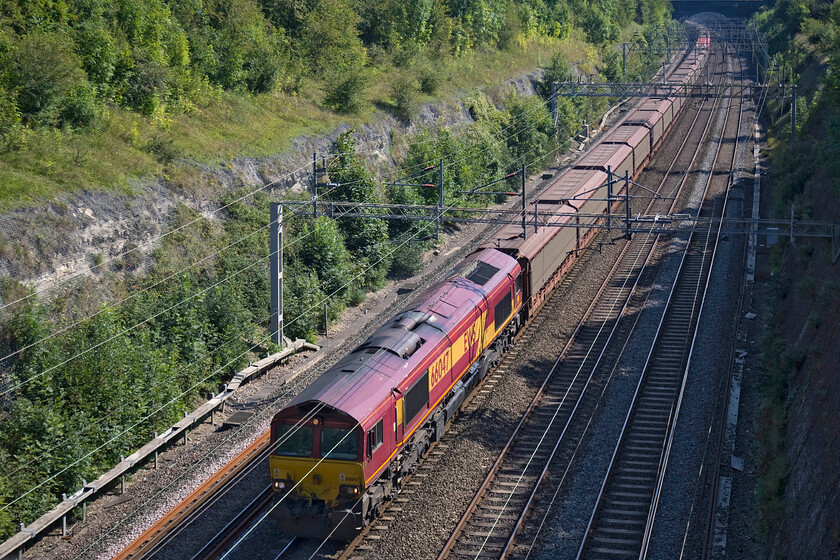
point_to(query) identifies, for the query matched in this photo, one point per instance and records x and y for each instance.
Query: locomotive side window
(503, 309)
(339, 443)
(518, 282)
(374, 438)
(416, 398)
(295, 441)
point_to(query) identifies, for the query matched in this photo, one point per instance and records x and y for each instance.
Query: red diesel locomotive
(344, 444)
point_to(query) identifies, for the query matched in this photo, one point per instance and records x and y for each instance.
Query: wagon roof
(656, 104)
(646, 117)
(575, 186)
(628, 133)
(603, 155)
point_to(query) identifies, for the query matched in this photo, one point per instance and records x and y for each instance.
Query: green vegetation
(134, 87)
(804, 39)
(132, 369)
(95, 92)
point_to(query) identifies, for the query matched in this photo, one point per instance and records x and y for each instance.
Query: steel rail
(233, 527)
(664, 465)
(148, 541)
(485, 485)
(496, 372)
(724, 386)
(222, 540)
(482, 491)
(623, 535)
(732, 160)
(177, 516)
(532, 497)
(585, 430)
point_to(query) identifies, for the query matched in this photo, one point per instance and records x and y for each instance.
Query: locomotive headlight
(279, 484)
(348, 491)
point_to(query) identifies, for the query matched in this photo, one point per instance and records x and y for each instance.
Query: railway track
(621, 522)
(154, 539)
(497, 513)
(239, 525)
(228, 535)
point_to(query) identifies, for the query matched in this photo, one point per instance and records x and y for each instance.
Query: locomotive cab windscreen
(318, 437)
(317, 455)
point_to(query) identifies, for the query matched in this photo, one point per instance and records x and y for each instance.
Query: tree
(365, 238)
(320, 248)
(250, 52)
(45, 72)
(559, 69)
(599, 26)
(533, 139)
(97, 49)
(303, 302)
(288, 14)
(329, 39)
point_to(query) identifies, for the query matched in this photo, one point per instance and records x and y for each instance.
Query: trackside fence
(142, 455)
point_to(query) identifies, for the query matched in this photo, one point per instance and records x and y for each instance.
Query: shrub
(404, 93)
(148, 85)
(162, 146)
(430, 78)
(408, 259)
(512, 29)
(9, 121)
(46, 71)
(81, 108)
(346, 93)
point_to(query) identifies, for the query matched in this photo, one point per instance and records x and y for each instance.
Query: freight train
(342, 448)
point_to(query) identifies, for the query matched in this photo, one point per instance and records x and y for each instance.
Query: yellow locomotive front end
(317, 476)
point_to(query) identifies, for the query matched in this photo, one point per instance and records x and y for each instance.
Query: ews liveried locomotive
(341, 448)
(344, 444)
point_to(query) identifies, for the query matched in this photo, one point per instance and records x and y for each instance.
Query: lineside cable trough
(144, 454)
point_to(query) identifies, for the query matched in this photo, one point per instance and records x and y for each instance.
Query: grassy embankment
(224, 125)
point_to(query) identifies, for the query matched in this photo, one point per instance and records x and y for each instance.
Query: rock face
(806, 326)
(44, 244)
(807, 320)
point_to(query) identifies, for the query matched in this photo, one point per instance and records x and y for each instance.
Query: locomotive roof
(366, 377)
